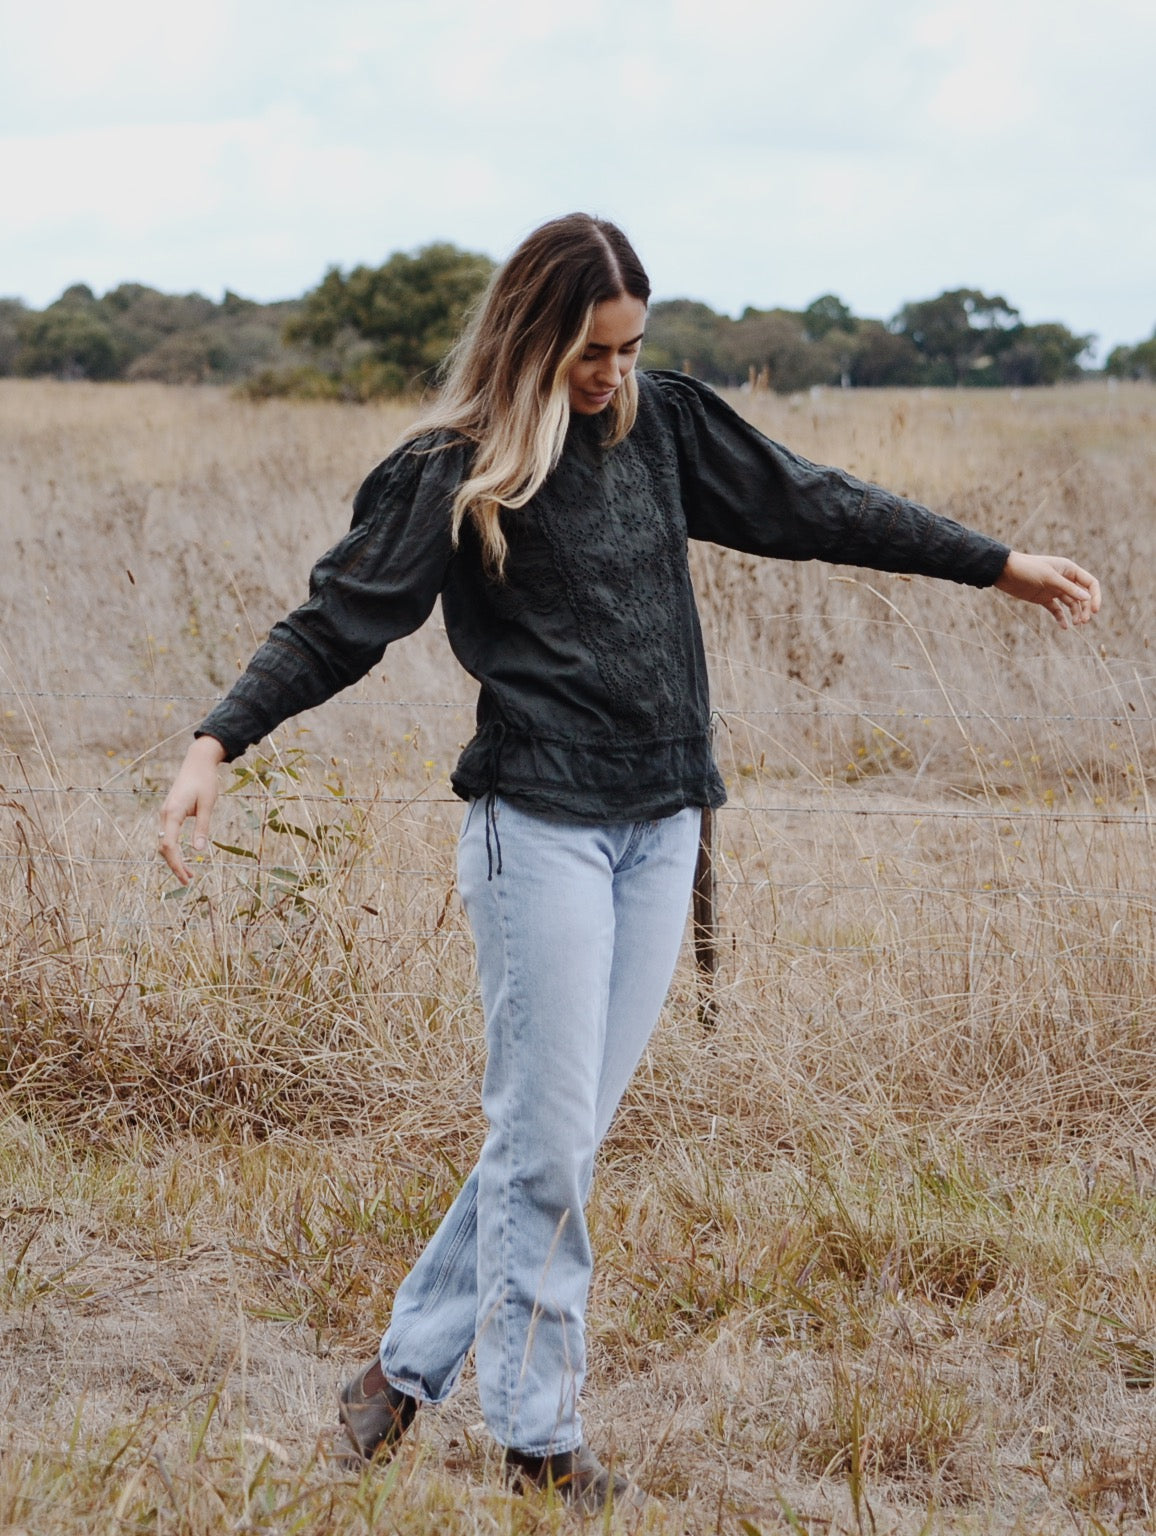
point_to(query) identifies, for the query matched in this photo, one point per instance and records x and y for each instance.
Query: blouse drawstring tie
(491, 812)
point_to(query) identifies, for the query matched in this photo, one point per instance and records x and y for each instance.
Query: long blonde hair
(505, 383)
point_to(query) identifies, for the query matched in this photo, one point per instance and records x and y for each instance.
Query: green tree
(69, 339)
(194, 356)
(881, 359)
(141, 317)
(13, 315)
(769, 344)
(826, 314)
(392, 325)
(956, 332)
(774, 344)
(1138, 362)
(1040, 354)
(687, 336)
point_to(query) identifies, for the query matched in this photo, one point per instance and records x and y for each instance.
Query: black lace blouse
(594, 698)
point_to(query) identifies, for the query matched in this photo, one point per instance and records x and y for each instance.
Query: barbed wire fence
(750, 856)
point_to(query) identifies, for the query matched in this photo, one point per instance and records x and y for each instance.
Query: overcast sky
(757, 151)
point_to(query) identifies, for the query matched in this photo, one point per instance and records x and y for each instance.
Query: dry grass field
(876, 1252)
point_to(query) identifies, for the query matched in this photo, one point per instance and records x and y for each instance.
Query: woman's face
(610, 354)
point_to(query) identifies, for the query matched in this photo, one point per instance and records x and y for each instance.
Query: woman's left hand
(1069, 593)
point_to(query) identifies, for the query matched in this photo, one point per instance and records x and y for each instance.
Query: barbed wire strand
(852, 711)
(1001, 813)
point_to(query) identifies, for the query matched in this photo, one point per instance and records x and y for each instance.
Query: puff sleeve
(742, 490)
(377, 584)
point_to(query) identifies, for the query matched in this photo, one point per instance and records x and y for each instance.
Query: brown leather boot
(374, 1421)
(578, 1477)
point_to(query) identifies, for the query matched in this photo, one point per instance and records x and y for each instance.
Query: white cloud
(758, 150)
(73, 60)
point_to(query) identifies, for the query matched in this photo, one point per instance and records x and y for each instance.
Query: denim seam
(418, 1389)
(448, 1263)
(505, 1301)
(513, 1372)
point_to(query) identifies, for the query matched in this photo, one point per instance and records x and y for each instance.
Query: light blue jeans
(577, 930)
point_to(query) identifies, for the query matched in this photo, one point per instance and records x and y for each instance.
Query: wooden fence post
(705, 923)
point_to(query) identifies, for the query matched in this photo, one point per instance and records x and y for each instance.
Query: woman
(547, 497)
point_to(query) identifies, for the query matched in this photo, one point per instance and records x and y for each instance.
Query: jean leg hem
(417, 1391)
(547, 1448)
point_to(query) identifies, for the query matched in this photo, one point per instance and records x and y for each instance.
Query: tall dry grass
(876, 1252)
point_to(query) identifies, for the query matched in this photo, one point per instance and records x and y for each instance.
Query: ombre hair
(506, 381)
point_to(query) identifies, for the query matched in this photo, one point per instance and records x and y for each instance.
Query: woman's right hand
(194, 793)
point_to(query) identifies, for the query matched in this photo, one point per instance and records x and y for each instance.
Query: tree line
(135, 332)
(383, 331)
